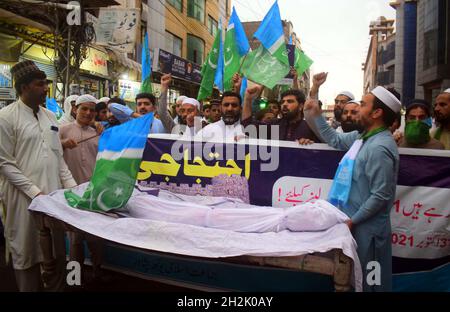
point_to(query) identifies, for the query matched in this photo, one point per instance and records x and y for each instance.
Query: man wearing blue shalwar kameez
(373, 181)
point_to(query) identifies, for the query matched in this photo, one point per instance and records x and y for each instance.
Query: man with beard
(189, 121)
(292, 126)
(189, 118)
(442, 115)
(178, 103)
(368, 193)
(31, 164)
(339, 102)
(350, 118)
(229, 128)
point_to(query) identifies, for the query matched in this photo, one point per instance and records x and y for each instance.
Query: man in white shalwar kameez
(31, 164)
(228, 128)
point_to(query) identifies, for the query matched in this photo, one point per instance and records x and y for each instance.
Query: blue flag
(52, 106)
(235, 47)
(218, 78)
(271, 34)
(241, 38)
(146, 67)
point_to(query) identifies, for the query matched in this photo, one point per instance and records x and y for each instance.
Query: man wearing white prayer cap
(85, 98)
(339, 102)
(104, 99)
(351, 120)
(178, 103)
(188, 113)
(442, 115)
(372, 183)
(70, 111)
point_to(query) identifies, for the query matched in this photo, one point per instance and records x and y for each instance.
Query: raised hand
(237, 81)
(165, 81)
(294, 73)
(253, 91)
(319, 79)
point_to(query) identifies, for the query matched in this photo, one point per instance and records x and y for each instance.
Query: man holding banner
(365, 182)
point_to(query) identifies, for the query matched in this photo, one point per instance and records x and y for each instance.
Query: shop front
(7, 92)
(94, 78)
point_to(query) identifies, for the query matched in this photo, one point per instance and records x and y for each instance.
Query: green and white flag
(209, 70)
(232, 58)
(120, 151)
(263, 68)
(302, 62)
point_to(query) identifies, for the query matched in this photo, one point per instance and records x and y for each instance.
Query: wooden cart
(331, 271)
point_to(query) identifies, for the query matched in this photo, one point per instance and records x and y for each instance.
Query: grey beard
(230, 120)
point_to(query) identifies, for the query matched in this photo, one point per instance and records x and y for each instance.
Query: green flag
(263, 68)
(209, 70)
(120, 151)
(302, 62)
(232, 58)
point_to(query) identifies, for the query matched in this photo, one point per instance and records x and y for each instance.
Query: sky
(334, 33)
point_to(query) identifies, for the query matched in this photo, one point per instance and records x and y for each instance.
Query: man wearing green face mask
(418, 125)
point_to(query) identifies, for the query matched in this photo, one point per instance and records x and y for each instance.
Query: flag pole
(242, 63)
(87, 139)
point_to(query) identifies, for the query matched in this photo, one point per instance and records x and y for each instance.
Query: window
(212, 26)
(431, 16)
(195, 47)
(173, 44)
(196, 9)
(431, 19)
(177, 4)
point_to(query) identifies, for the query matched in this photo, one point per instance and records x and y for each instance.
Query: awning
(122, 59)
(10, 48)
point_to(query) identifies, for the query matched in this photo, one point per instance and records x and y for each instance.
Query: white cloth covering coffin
(233, 214)
(200, 241)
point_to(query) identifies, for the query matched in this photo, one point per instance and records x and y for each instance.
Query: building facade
(433, 48)
(380, 64)
(422, 50)
(185, 29)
